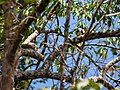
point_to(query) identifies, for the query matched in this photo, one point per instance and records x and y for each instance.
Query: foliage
(47, 46)
(87, 84)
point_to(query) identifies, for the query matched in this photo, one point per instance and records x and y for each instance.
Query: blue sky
(93, 71)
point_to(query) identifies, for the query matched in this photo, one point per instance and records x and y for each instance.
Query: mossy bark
(10, 46)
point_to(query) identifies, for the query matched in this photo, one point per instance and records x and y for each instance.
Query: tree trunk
(11, 44)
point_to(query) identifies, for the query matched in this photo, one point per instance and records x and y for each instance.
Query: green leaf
(94, 85)
(102, 52)
(62, 2)
(28, 10)
(30, 1)
(73, 32)
(114, 51)
(57, 61)
(3, 1)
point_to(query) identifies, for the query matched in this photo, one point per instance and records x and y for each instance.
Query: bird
(80, 32)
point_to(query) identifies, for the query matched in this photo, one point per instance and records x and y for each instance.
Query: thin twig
(97, 23)
(29, 66)
(93, 17)
(93, 61)
(102, 46)
(112, 14)
(112, 62)
(112, 78)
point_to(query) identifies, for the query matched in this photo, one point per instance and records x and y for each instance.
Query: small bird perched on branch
(80, 32)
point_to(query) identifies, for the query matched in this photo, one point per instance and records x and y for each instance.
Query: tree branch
(65, 45)
(34, 74)
(112, 62)
(93, 17)
(27, 21)
(97, 35)
(31, 53)
(103, 45)
(77, 40)
(93, 61)
(112, 14)
(112, 78)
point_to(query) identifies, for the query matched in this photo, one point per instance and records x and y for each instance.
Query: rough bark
(11, 45)
(12, 39)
